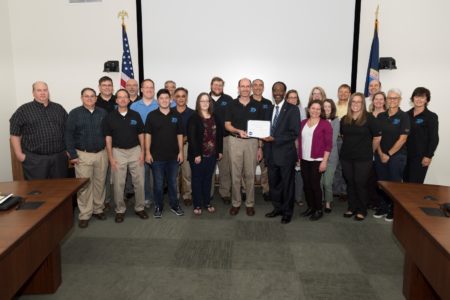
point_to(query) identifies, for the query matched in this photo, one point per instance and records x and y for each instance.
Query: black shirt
(357, 139)
(84, 130)
(185, 116)
(40, 127)
(220, 109)
(109, 106)
(164, 130)
(266, 106)
(424, 136)
(124, 130)
(391, 128)
(239, 114)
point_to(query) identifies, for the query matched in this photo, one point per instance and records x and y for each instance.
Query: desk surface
(14, 224)
(411, 197)
(425, 239)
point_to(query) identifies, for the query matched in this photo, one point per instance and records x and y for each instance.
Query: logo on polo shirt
(252, 109)
(265, 106)
(419, 121)
(133, 122)
(174, 120)
(396, 121)
(223, 103)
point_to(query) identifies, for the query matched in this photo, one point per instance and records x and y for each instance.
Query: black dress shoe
(307, 212)
(316, 215)
(285, 219)
(273, 214)
(327, 210)
(266, 197)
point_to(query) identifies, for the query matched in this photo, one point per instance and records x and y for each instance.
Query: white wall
(295, 41)
(416, 33)
(66, 45)
(8, 92)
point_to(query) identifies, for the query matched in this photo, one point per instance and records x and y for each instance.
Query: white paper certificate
(258, 129)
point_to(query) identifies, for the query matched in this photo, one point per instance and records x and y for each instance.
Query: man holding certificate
(245, 151)
(280, 154)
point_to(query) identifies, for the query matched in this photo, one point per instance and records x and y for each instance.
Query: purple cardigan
(322, 140)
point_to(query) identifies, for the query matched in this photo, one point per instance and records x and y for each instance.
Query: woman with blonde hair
(317, 93)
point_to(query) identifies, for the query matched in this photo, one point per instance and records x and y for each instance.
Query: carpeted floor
(217, 256)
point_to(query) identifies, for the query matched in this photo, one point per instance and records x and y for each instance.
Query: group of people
(139, 145)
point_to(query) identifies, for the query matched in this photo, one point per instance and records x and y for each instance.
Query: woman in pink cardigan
(314, 146)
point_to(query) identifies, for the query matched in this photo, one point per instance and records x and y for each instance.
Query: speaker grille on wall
(387, 63)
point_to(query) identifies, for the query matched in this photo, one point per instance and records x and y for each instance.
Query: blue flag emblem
(396, 121)
(133, 122)
(252, 109)
(419, 121)
(174, 120)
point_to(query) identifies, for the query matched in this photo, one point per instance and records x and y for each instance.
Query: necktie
(275, 118)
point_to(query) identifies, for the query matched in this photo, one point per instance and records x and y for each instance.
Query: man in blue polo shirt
(144, 106)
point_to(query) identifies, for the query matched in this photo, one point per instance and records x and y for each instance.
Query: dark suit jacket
(195, 131)
(282, 150)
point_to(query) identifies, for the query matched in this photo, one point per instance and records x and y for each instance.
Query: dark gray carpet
(217, 256)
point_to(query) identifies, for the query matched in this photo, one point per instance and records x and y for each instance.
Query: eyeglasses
(393, 98)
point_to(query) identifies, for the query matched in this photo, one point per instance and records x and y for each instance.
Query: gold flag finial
(376, 12)
(122, 14)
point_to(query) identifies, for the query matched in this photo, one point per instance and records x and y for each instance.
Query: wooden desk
(426, 239)
(30, 260)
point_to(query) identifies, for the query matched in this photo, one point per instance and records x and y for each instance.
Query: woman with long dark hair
(205, 136)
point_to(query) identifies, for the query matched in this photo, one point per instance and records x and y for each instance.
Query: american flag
(127, 64)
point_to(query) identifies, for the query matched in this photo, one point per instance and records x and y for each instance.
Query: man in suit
(280, 154)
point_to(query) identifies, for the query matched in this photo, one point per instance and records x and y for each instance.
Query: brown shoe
(250, 211)
(83, 223)
(187, 202)
(234, 210)
(100, 216)
(142, 214)
(119, 217)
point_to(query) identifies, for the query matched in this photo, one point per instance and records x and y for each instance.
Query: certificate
(258, 129)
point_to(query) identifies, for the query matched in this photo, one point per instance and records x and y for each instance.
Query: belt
(90, 151)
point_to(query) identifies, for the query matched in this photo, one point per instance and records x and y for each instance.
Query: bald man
(245, 152)
(132, 87)
(37, 136)
(374, 87)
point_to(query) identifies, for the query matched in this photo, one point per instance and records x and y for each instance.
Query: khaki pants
(224, 166)
(184, 177)
(91, 197)
(243, 163)
(264, 178)
(128, 158)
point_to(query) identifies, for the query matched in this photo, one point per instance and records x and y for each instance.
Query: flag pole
(122, 14)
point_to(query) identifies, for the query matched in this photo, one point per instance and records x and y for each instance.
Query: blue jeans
(202, 180)
(390, 171)
(165, 169)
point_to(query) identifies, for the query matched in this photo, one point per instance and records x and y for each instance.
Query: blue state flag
(373, 67)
